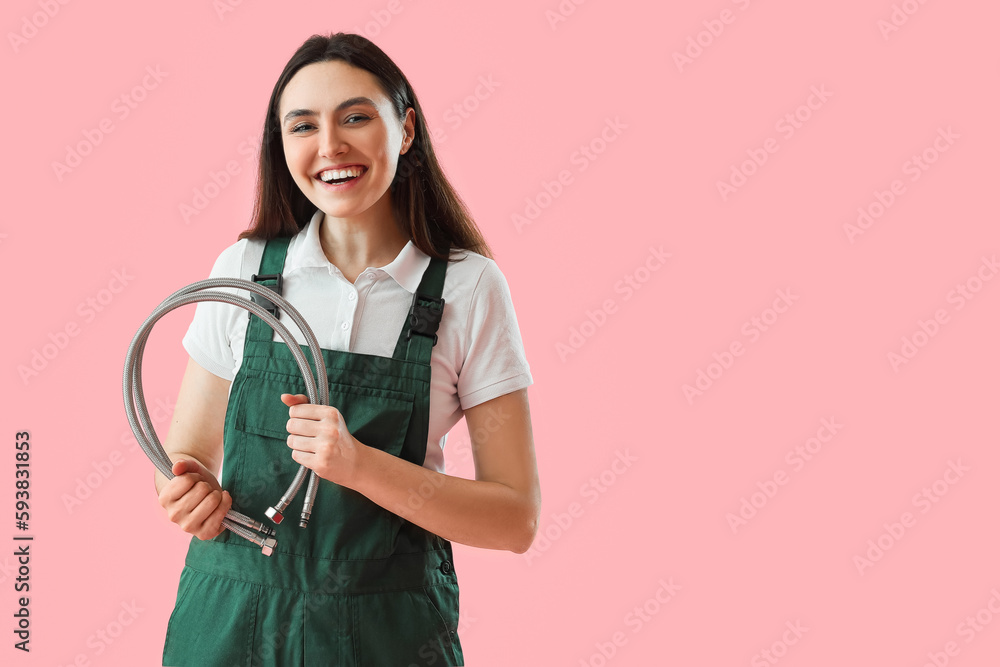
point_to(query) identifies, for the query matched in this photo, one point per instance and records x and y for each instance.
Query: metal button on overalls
(360, 586)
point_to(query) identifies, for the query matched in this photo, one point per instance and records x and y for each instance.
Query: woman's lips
(341, 187)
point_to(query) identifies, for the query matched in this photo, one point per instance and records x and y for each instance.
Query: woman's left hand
(319, 439)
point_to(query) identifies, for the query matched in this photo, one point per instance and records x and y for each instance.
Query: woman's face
(333, 114)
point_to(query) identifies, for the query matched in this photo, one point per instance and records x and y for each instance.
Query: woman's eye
(359, 118)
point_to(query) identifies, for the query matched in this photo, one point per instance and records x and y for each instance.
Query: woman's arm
(497, 510)
(194, 499)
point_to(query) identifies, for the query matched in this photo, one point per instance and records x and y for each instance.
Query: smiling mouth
(338, 176)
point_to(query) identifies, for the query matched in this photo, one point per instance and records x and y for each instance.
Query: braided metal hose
(317, 389)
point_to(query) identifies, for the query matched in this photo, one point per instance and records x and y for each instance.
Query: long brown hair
(427, 207)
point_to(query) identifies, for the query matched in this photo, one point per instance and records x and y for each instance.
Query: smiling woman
(355, 224)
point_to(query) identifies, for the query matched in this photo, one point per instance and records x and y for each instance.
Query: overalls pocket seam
(445, 626)
(259, 586)
(251, 636)
(184, 593)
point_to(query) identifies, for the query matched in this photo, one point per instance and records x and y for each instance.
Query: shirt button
(351, 296)
(344, 326)
(370, 276)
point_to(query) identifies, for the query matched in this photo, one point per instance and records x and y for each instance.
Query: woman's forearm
(477, 513)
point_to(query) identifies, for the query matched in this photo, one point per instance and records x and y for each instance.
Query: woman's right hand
(194, 500)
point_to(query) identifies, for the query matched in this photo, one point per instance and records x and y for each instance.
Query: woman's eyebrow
(350, 102)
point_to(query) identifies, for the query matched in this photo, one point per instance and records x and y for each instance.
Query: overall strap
(419, 333)
(268, 275)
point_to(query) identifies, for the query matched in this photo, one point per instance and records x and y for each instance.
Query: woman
(371, 580)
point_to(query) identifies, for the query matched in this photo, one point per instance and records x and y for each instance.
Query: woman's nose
(331, 142)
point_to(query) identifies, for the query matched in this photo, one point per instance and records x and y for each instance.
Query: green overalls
(360, 586)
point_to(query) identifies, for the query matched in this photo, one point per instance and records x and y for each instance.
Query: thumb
(294, 399)
(183, 466)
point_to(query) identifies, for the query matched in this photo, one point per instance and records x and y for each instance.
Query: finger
(314, 411)
(186, 504)
(196, 522)
(294, 399)
(301, 443)
(185, 465)
(303, 458)
(173, 490)
(303, 426)
(214, 521)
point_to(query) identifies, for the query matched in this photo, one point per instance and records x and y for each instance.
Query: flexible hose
(317, 389)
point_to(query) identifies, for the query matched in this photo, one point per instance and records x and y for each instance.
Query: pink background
(605, 548)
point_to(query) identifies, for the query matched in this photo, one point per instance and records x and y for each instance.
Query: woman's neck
(370, 239)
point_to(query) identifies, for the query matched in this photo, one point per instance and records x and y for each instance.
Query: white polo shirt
(479, 354)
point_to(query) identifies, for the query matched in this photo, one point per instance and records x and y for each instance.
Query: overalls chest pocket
(344, 524)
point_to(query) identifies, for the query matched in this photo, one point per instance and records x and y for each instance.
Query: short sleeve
(209, 337)
(495, 363)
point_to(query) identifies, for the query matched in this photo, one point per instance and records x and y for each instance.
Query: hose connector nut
(274, 515)
(268, 547)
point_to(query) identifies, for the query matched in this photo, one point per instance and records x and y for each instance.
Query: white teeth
(332, 174)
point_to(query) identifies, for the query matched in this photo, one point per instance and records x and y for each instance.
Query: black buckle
(264, 302)
(425, 317)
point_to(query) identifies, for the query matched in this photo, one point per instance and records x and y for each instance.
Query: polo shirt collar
(407, 269)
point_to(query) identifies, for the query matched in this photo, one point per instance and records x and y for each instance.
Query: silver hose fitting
(267, 548)
(310, 498)
(250, 523)
(274, 515)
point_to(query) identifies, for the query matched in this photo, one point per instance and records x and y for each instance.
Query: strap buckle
(263, 301)
(425, 316)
